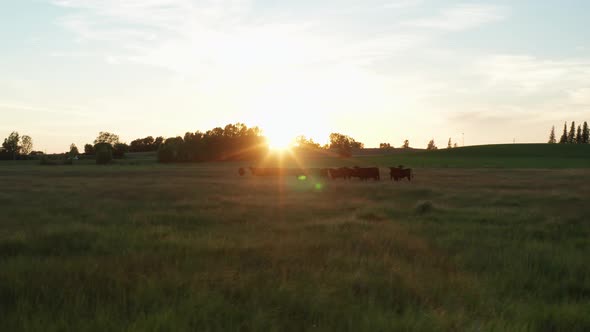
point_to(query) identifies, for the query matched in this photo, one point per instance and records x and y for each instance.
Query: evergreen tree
(579, 135)
(571, 136)
(552, 136)
(450, 144)
(563, 138)
(585, 133)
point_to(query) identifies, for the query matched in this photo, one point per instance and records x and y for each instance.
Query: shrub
(104, 153)
(44, 160)
(424, 207)
(167, 153)
(119, 150)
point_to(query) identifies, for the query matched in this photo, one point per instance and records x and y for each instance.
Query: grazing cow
(342, 172)
(365, 173)
(264, 171)
(399, 173)
(319, 172)
(276, 171)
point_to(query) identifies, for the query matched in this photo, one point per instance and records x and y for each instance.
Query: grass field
(148, 247)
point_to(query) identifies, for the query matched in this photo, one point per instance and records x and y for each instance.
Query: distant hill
(489, 156)
(518, 150)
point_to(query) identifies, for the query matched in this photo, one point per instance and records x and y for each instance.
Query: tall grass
(197, 247)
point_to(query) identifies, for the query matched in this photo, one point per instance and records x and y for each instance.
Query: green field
(140, 246)
(494, 156)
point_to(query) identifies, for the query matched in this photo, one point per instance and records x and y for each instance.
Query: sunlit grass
(197, 247)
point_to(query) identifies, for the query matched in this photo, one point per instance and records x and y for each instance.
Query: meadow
(140, 246)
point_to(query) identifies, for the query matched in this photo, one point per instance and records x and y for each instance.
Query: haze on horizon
(377, 70)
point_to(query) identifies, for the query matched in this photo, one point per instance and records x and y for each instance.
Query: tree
(233, 142)
(455, 145)
(89, 149)
(344, 144)
(431, 145)
(144, 144)
(119, 150)
(571, 136)
(106, 137)
(104, 153)
(579, 139)
(73, 150)
(406, 144)
(585, 133)
(11, 145)
(305, 143)
(552, 139)
(449, 144)
(385, 146)
(563, 138)
(26, 145)
(158, 141)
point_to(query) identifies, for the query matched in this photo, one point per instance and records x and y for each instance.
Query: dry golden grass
(197, 247)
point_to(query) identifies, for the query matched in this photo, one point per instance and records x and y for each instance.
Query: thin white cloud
(25, 107)
(398, 4)
(187, 37)
(460, 17)
(525, 74)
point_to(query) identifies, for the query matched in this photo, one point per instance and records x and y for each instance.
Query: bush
(424, 207)
(167, 153)
(44, 160)
(119, 150)
(104, 153)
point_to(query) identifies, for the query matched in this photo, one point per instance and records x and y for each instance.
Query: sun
(279, 141)
(279, 144)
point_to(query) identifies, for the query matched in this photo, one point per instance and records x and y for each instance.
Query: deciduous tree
(73, 150)
(26, 145)
(344, 144)
(88, 149)
(106, 137)
(306, 143)
(11, 144)
(431, 145)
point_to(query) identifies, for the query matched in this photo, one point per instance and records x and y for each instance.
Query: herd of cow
(362, 173)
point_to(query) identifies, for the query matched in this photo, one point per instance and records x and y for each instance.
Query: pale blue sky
(381, 71)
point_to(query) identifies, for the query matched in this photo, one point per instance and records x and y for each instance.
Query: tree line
(15, 146)
(581, 135)
(232, 142)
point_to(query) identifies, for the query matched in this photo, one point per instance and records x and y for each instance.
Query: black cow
(276, 171)
(399, 173)
(365, 173)
(319, 172)
(342, 172)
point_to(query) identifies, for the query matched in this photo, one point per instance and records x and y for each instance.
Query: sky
(481, 72)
